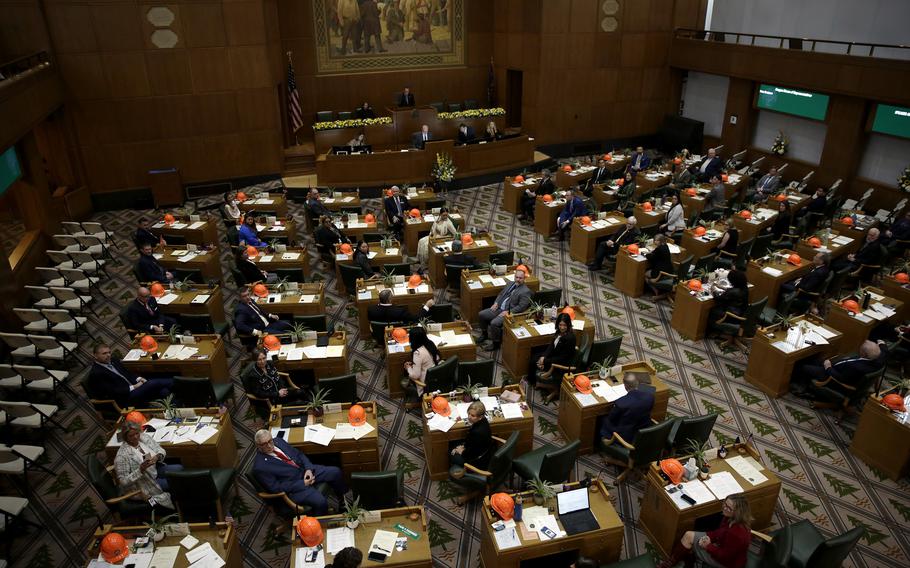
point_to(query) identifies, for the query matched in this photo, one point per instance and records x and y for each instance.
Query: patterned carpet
(822, 481)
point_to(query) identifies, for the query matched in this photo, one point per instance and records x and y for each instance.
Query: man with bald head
(143, 314)
(627, 235)
(869, 255)
(710, 166)
(810, 379)
(514, 298)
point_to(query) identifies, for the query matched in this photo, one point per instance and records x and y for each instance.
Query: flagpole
(290, 55)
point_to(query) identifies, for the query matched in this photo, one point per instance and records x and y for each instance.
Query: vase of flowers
(443, 171)
(903, 181)
(780, 144)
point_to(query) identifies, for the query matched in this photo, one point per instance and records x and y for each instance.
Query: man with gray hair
(459, 257)
(387, 312)
(607, 249)
(813, 378)
(396, 208)
(144, 315)
(630, 413)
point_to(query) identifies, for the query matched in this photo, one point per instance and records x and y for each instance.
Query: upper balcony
(30, 89)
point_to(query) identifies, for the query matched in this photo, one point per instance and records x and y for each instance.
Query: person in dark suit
(813, 281)
(766, 186)
(529, 198)
(251, 273)
(659, 260)
(709, 167)
(734, 299)
(781, 224)
(148, 267)
(627, 235)
(365, 111)
(870, 253)
(420, 139)
(640, 161)
(898, 234)
(560, 351)
(514, 298)
(314, 204)
(600, 175)
(478, 445)
(406, 98)
(386, 311)
(396, 207)
(109, 379)
(716, 200)
(262, 379)
(143, 314)
(282, 469)
(816, 205)
(328, 235)
(458, 256)
(465, 133)
(630, 413)
(847, 370)
(145, 236)
(250, 319)
(362, 258)
(574, 207)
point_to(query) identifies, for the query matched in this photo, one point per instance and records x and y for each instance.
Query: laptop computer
(575, 511)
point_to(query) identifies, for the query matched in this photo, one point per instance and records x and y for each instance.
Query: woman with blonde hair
(724, 547)
(140, 466)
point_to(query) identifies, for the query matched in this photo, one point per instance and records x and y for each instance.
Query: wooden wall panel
(126, 75)
(83, 74)
(137, 120)
(203, 24)
(71, 27)
(244, 23)
(169, 72)
(211, 70)
(118, 27)
(22, 29)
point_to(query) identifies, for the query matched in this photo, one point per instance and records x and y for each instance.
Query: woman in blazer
(676, 217)
(734, 299)
(478, 446)
(424, 356)
(362, 258)
(560, 351)
(442, 227)
(139, 464)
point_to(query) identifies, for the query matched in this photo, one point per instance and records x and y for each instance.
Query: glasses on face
(265, 443)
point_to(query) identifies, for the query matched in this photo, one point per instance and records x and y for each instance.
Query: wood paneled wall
(22, 29)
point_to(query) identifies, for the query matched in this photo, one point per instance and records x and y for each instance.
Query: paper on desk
(167, 299)
(548, 522)
(334, 351)
(392, 252)
(694, 489)
(423, 288)
(201, 435)
(178, 226)
(164, 434)
(295, 354)
(344, 431)
(365, 295)
(772, 271)
(674, 249)
(461, 409)
(863, 318)
(197, 225)
(372, 254)
(586, 399)
(165, 556)
(172, 351)
(441, 423)
(133, 355)
(723, 484)
(363, 430)
(302, 552)
(489, 402)
(842, 240)
(520, 332)
(201, 298)
(157, 423)
(545, 328)
(499, 282)
(401, 290)
(314, 352)
(486, 278)
(337, 539)
(824, 332)
(481, 243)
(578, 324)
(319, 434)
(138, 560)
(746, 470)
(187, 257)
(784, 346)
(511, 410)
(474, 284)
(507, 538)
(383, 541)
(189, 541)
(266, 258)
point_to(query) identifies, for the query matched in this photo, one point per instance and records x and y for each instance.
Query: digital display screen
(793, 101)
(893, 120)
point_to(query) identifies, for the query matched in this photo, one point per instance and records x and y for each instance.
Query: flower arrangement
(351, 123)
(444, 169)
(903, 181)
(780, 144)
(473, 113)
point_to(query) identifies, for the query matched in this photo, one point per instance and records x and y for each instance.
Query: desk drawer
(358, 457)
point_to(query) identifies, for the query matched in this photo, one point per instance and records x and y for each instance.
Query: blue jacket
(574, 208)
(249, 236)
(150, 270)
(645, 161)
(277, 476)
(630, 414)
(246, 319)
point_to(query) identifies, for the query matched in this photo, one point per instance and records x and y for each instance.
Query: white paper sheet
(723, 484)
(545, 328)
(772, 271)
(167, 299)
(189, 541)
(507, 538)
(344, 431)
(361, 431)
(520, 332)
(201, 435)
(165, 556)
(318, 434)
(441, 423)
(746, 470)
(301, 555)
(489, 402)
(511, 410)
(383, 541)
(133, 355)
(586, 399)
(578, 324)
(337, 539)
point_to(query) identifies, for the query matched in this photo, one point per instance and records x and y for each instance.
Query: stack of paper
(507, 538)
(511, 410)
(134, 355)
(167, 299)
(586, 399)
(319, 434)
(337, 539)
(694, 489)
(201, 435)
(746, 470)
(187, 257)
(441, 423)
(314, 352)
(521, 332)
(200, 299)
(361, 431)
(723, 484)
(545, 328)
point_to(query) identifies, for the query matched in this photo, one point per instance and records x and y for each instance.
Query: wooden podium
(167, 189)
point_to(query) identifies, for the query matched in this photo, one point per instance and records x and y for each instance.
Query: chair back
(194, 391)
(192, 487)
(100, 478)
(191, 275)
(761, 245)
(453, 277)
(349, 275)
(682, 271)
(442, 376)
(378, 489)
(650, 443)
(291, 274)
(837, 282)
(341, 389)
(705, 263)
(377, 331)
(506, 257)
(832, 552)
(501, 461)
(313, 322)
(557, 465)
(603, 350)
(742, 252)
(373, 237)
(548, 297)
(696, 428)
(442, 313)
(176, 240)
(752, 314)
(196, 323)
(776, 554)
(324, 115)
(474, 372)
(398, 268)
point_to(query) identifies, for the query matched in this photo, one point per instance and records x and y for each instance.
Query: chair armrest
(498, 439)
(762, 536)
(830, 380)
(477, 470)
(120, 499)
(665, 275)
(732, 315)
(617, 438)
(729, 254)
(561, 367)
(419, 383)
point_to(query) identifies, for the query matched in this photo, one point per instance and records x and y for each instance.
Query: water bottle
(518, 506)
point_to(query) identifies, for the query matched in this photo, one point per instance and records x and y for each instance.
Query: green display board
(793, 101)
(9, 169)
(894, 120)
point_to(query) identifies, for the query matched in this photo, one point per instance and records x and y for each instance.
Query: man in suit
(627, 235)
(869, 254)
(385, 311)
(249, 234)
(459, 257)
(630, 413)
(575, 207)
(144, 314)
(314, 204)
(465, 133)
(848, 370)
(148, 267)
(514, 298)
(396, 207)
(710, 166)
(250, 319)
(365, 111)
(812, 282)
(282, 469)
(144, 235)
(529, 197)
(108, 379)
(898, 234)
(600, 175)
(640, 161)
(420, 139)
(406, 98)
(766, 186)
(716, 200)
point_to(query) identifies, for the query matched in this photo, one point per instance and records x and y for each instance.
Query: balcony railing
(858, 49)
(23, 66)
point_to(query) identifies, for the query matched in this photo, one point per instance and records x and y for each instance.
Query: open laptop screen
(571, 501)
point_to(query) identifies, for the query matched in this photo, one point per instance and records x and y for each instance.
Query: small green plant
(167, 405)
(699, 452)
(604, 365)
(318, 399)
(282, 284)
(541, 490)
(182, 285)
(158, 525)
(297, 331)
(353, 512)
(901, 386)
(172, 334)
(387, 277)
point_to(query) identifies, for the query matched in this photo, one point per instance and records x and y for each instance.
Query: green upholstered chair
(812, 550)
(378, 489)
(729, 260)
(453, 277)
(470, 104)
(604, 351)
(641, 561)
(398, 269)
(442, 377)
(290, 274)
(341, 389)
(696, 428)
(548, 297)
(122, 507)
(648, 446)
(666, 285)
(439, 107)
(549, 463)
(201, 324)
(377, 332)
(735, 326)
(474, 372)
(776, 551)
(476, 481)
(280, 503)
(325, 116)
(761, 245)
(349, 275)
(314, 323)
(845, 398)
(345, 115)
(441, 313)
(200, 392)
(771, 315)
(506, 257)
(201, 491)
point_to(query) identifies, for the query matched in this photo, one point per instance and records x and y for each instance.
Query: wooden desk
(270, 231)
(270, 203)
(481, 249)
(200, 232)
(797, 201)
(749, 229)
(516, 352)
(206, 262)
(565, 180)
(210, 361)
(735, 184)
(770, 368)
(649, 180)
(704, 245)
(512, 193)
(692, 204)
(646, 219)
(355, 455)
(437, 444)
(478, 285)
(419, 196)
(577, 422)
(416, 228)
(603, 544)
(768, 285)
(664, 523)
(322, 367)
(291, 259)
(631, 270)
(855, 330)
(342, 200)
(356, 230)
(604, 194)
(417, 554)
(881, 441)
(863, 224)
(218, 451)
(391, 255)
(183, 304)
(836, 250)
(690, 313)
(368, 295)
(546, 214)
(583, 247)
(894, 289)
(221, 536)
(304, 299)
(395, 359)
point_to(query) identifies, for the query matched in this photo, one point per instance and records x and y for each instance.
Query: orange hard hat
(261, 290)
(441, 406)
(724, 178)
(694, 285)
(114, 548)
(745, 214)
(547, 198)
(169, 219)
(585, 220)
(583, 384)
(620, 182)
(608, 157)
(894, 402)
(633, 249)
(400, 335)
(691, 192)
(157, 290)
(647, 206)
(518, 179)
(700, 231)
(677, 161)
(569, 310)
(369, 218)
(467, 239)
(567, 168)
(346, 249)
(271, 342)
(136, 417)
(310, 531)
(415, 213)
(148, 344)
(794, 259)
(902, 277)
(780, 197)
(357, 416)
(241, 197)
(252, 251)
(523, 268)
(673, 469)
(414, 281)
(851, 306)
(388, 192)
(814, 242)
(504, 505)
(847, 220)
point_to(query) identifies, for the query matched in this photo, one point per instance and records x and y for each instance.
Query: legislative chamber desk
(856, 328)
(751, 228)
(194, 229)
(770, 368)
(417, 555)
(631, 270)
(569, 179)
(208, 263)
(796, 200)
(516, 351)
(603, 194)
(690, 312)
(838, 246)
(342, 200)
(583, 247)
(693, 203)
(354, 226)
(209, 361)
(330, 365)
(220, 535)
(664, 523)
(266, 204)
(414, 166)
(210, 302)
(380, 257)
(481, 249)
(290, 259)
(354, 455)
(546, 215)
(649, 180)
(272, 229)
(402, 295)
(647, 219)
(419, 227)
(767, 277)
(417, 196)
(457, 340)
(603, 544)
(479, 287)
(700, 247)
(437, 444)
(882, 441)
(894, 289)
(863, 224)
(218, 451)
(296, 299)
(578, 422)
(513, 192)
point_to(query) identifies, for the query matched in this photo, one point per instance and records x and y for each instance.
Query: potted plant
(167, 405)
(785, 322)
(603, 368)
(541, 491)
(182, 285)
(273, 245)
(535, 310)
(353, 512)
(388, 242)
(387, 277)
(282, 285)
(297, 331)
(318, 399)
(156, 527)
(471, 393)
(173, 333)
(699, 452)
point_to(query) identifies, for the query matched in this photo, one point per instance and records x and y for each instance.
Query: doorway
(513, 98)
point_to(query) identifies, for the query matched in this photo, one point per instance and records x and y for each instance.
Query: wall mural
(365, 36)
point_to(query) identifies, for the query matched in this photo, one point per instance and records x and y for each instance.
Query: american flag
(294, 111)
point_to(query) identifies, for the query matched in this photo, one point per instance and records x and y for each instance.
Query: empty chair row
(52, 320)
(67, 278)
(76, 259)
(41, 347)
(86, 243)
(57, 297)
(32, 377)
(87, 228)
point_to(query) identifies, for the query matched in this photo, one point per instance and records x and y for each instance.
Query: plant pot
(318, 412)
(603, 373)
(158, 536)
(353, 524)
(538, 500)
(467, 397)
(703, 474)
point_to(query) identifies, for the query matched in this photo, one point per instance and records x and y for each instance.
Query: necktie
(259, 313)
(398, 205)
(280, 455)
(424, 136)
(150, 310)
(507, 297)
